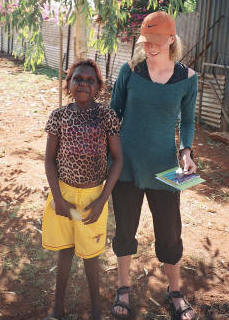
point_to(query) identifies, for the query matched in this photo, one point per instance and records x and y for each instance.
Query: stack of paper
(176, 178)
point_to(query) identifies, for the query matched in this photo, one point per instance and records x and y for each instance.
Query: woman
(149, 95)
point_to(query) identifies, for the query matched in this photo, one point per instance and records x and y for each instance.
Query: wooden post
(8, 45)
(12, 42)
(81, 36)
(60, 64)
(133, 46)
(2, 39)
(97, 37)
(68, 46)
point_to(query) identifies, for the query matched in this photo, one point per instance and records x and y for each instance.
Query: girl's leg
(92, 273)
(63, 268)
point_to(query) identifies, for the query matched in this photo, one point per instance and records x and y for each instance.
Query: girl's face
(154, 51)
(84, 84)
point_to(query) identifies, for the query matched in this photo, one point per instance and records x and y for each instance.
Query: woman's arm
(61, 206)
(187, 126)
(113, 175)
(119, 92)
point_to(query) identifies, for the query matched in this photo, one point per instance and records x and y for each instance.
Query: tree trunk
(81, 36)
(108, 63)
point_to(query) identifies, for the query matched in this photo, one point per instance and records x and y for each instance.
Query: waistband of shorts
(81, 190)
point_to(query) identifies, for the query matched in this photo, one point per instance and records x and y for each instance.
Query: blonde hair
(175, 52)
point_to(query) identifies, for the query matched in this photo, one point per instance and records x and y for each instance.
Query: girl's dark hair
(87, 62)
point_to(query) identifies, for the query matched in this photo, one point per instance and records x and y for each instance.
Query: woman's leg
(173, 274)
(91, 267)
(127, 203)
(123, 271)
(63, 268)
(165, 208)
(123, 281)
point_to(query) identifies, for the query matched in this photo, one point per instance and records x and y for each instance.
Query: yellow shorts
(59, 232)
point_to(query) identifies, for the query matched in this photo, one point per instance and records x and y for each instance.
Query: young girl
(79, 136)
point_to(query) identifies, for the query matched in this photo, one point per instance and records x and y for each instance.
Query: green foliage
(26, 18)
(140, 8)
(116, 17)
(190, 6)
(110, 17)
(135, 14)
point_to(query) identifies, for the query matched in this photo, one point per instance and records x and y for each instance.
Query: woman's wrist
(186, 152)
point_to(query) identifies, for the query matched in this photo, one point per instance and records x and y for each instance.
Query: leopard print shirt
(82, 149)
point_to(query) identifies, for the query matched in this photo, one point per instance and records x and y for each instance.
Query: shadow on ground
(28, 278)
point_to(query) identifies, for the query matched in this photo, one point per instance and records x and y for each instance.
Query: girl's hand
(188, 163)
(62, 208)
(96, 208)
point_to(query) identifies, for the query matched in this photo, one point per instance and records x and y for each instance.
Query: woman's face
(154, 51)
(84, 84)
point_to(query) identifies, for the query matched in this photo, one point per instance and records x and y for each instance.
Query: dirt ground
(27, 272)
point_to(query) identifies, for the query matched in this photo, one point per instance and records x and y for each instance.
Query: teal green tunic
(149, 113)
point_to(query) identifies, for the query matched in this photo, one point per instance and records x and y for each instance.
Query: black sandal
(119, 303)
(177, 313)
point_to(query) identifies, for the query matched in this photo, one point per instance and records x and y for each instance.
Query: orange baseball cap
(157, 27)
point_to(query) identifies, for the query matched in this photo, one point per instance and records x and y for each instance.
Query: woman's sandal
(177, 313)
(118, 303)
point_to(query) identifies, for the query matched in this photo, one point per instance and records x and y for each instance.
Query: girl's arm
(61, 206)
(113, 175)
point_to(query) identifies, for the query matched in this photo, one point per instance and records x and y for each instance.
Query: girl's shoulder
(104, 109)
(58, 112)
(65, 108)
(106, 112)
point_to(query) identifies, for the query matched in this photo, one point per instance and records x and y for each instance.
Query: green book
(176, 178)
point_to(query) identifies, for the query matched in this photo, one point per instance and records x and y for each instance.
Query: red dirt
(27, 272)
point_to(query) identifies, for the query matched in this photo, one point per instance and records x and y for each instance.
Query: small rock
(3, 204)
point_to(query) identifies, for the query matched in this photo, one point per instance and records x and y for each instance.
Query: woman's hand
(62, 208)
(96, 208)
(188, 163)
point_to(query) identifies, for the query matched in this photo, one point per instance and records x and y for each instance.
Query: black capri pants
(165, 208)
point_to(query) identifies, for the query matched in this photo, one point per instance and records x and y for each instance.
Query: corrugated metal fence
(213, 32)
(218, 51)
(190, 27)
(51, 35)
